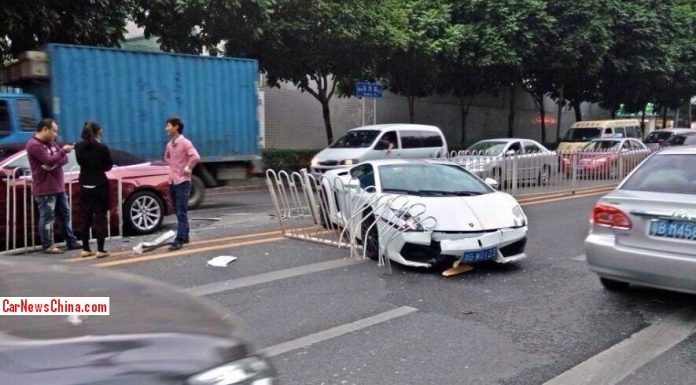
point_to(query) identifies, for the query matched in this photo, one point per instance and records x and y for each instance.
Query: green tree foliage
(27, 25)
(432, 41)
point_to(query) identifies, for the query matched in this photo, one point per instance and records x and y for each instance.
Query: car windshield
(603, 145)
(122, 158)
(657, 136)
(582, 134)
(665, 174)
(488, 147)
(356, 139)
(430, 179)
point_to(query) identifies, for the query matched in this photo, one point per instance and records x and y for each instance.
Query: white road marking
(337, 331)
(580, 258)
(219, 287)
(616, 363)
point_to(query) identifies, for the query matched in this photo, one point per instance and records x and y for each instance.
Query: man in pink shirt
(181, 157)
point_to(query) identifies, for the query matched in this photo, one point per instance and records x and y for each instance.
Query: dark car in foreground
(153, 335)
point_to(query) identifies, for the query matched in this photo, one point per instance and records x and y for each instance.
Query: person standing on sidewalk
(46, 160)
(181, 157)
(94, 159)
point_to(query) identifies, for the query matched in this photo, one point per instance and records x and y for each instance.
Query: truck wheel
(197, 193)
(143, 212)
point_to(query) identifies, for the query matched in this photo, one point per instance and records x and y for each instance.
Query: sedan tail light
(609, 216)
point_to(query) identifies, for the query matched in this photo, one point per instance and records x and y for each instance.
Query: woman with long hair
(94, 160)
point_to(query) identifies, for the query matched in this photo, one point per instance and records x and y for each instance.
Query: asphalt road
(325, 319)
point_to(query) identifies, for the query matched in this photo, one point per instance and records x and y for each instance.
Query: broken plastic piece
(222, 261)
(147, 246)
(456, 269)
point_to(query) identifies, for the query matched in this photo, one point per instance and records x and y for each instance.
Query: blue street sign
(368, 90)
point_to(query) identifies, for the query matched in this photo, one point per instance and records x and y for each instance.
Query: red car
(144, 192)
(606, 158)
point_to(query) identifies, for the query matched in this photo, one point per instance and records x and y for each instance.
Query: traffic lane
(190, 270)
(251, 202)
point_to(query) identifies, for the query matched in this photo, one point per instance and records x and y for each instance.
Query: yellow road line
(569, 197)
(195, 243)
(187, 251)
(566, 193)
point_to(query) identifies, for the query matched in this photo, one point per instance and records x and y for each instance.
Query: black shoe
(75, 246)
(186, 240)
(176, 245)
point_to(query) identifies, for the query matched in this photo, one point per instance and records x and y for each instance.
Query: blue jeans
(180, 197)
(48, 207)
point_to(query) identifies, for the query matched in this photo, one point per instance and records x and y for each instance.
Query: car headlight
(519, 218)
(403, 220)
(348, 162)
(247, 371)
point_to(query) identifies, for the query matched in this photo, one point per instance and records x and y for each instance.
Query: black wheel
(544, 176)
(497, 174)
(370, 238)
(323, 215)
(197, 193)
(143, 212)
(613, 285)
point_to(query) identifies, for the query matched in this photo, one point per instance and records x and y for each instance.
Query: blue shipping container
(131, 94)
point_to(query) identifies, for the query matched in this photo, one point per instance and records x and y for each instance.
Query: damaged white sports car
(424, 213)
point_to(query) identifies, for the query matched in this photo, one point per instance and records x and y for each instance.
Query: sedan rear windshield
(682, 140)
(488, 147)
(665, 174)
(602, 145)
(584, 134)
(356, 139)
(430, 179)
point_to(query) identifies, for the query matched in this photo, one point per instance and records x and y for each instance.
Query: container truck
(131, 93)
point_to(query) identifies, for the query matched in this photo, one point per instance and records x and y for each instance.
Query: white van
(584, 132)
(383, 141)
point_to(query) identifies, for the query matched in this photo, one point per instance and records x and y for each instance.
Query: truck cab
(19, 115)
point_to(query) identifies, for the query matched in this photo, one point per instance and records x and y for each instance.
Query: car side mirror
(492, 183)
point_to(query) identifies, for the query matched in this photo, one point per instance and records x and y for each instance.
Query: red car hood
(136, 171)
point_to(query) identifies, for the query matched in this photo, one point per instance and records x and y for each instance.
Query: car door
(533, 160)
(513, 160)
(412, 144)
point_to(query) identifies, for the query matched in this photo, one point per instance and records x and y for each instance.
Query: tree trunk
(542, 112)
(561, 101)
(664, 117)
(578, 110)
(642, 121)
(327, 119)
(464, 108)
(411, 108)
(511, 116)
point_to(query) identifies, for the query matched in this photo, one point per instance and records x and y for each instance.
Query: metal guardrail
(550, 172)
(20, 215)
(332, 212)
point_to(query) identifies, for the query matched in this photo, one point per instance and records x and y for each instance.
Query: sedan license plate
(480, 255)
(673, 229)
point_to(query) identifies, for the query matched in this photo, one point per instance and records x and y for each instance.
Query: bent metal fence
(20, 225)
(340, 213)
(545, 172)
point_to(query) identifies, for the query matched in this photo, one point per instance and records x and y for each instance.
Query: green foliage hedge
(288, 160)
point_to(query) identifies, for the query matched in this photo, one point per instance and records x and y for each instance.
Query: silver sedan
(509, 159)
(644, 232)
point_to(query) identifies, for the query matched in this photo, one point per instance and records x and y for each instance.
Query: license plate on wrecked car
(480, 255)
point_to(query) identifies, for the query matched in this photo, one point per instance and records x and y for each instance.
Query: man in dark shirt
(46, 159)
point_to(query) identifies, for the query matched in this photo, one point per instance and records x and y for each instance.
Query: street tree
(27, 25)
(432, 42)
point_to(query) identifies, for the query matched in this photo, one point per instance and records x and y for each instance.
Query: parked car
(605, 158)
(644, 232)
(497, 158)
(462, 218)
(660, 138)
(682, 139)
(583, 132)
(153, 335)
(384, 141)
(145, 193)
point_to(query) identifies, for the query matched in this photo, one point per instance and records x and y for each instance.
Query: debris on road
(148, 246)
(222, 261)
(206, 219)
(456, 269)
